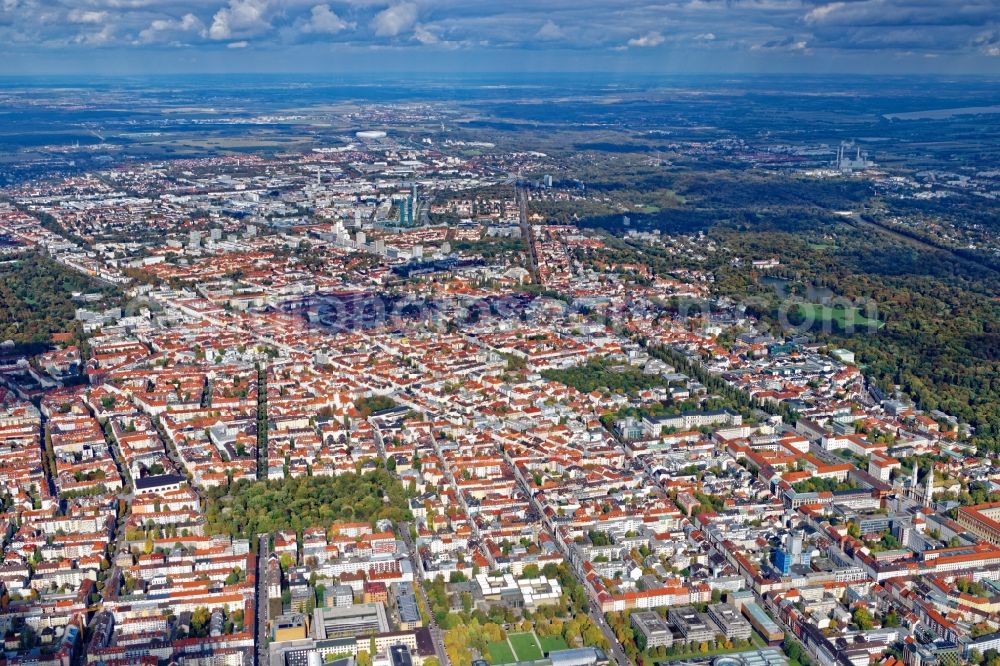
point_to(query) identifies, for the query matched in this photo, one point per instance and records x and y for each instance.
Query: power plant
(847, 163)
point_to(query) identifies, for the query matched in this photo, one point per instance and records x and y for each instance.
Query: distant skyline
(130, 37)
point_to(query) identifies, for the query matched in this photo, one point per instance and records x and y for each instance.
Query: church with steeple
(925, 494)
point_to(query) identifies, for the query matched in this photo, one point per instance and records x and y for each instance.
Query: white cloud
(423, 35)
(242, 18)
(988, 43)
(823, 11)
(162, 30)
(649, 39)
(395, 19)
(238, 45)
(837, 27)
(325, 20)
(99, 38)
(550, 31)
(86, 17)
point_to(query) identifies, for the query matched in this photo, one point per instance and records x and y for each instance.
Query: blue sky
(669, 36)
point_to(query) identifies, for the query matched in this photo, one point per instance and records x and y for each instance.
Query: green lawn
(500, 653)
(552, 643)
(841, 315)
(525, 646)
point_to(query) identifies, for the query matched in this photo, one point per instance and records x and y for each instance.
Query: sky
(108, 37)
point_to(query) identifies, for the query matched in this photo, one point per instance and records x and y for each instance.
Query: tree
(250, 508)
(199, 620)
(862, 618)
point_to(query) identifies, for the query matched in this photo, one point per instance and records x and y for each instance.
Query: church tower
(929, 490)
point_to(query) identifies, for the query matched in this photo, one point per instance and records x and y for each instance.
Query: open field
(845, 318)
(552, 643)
(525, 646)
(500, 652)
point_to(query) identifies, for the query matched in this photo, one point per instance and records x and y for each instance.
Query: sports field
(526, 646)
(500, 652)
(552, 643)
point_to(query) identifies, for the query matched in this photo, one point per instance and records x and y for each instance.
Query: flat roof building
(694, 626)
(350, 621)
(653, 628)
(729, 620)
(586, 656)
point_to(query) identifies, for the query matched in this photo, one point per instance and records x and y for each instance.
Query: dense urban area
(425, 390)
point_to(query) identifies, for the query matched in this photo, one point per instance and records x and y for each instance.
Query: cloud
(988, 43)
(242, 18)
(395, 19)
(164, 30)
(822, 12)
(324, 20)
(238, 45)
(647, 40)
(86, 17)
(903, 13)
(423, 34)
(787, 43)
(102, 37)
(550, 31)
(844, 31)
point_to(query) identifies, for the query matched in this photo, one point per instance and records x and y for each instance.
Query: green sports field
(500, 653)
(552, 643)
(525, 646)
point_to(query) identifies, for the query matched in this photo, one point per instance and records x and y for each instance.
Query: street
(617, 654)
(437, 635)
(261, 604)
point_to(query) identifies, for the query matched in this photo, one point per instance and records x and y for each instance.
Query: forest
(939, 332)
(940, 341)
(36, 298)
(247, 509)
